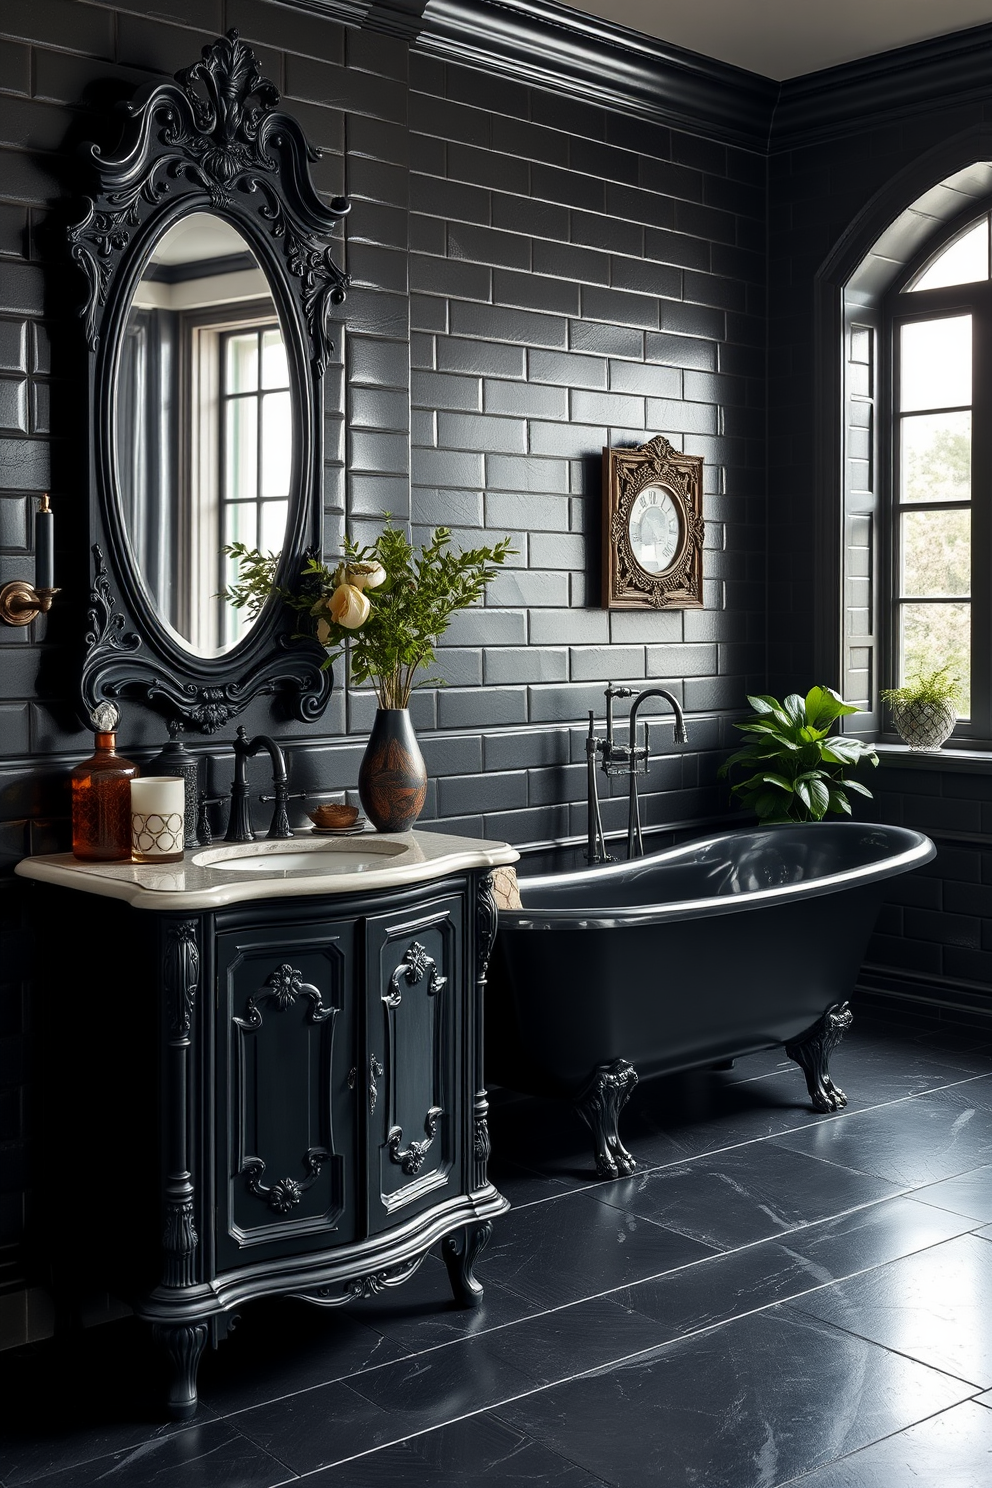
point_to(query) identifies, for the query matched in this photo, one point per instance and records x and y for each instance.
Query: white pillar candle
(157, 827)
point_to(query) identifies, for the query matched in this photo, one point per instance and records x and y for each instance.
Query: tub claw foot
(600, 1103)
(812, 1050)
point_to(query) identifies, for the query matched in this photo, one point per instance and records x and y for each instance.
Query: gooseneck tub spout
(635, 842)
(622, 759)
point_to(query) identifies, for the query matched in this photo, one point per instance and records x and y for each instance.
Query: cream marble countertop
(208, 877)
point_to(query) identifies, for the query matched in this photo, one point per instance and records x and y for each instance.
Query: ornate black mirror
(206, 251)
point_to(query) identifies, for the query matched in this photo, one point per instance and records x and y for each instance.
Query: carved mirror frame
(627, 585)
(211, 141)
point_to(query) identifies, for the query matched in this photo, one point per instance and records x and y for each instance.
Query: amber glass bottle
(101, 804)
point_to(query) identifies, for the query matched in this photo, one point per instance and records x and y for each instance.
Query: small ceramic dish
(353, 831)
(334, 814)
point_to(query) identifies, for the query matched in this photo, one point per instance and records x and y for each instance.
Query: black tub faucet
(622, 759)
(239, 827)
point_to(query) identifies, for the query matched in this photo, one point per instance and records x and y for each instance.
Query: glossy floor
(774, 1298)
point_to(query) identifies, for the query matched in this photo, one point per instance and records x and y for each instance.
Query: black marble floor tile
(317, 1428)
(211, 1454)
(556, 1345)
(72, 1399)
(737, 1282)
(280, 1346)
(479, 1450)
(576, 1247)
(751, 1405)
(744, 1194)
(523, 1185)
(950, 1450)
(932, 1306)
(745, 1310)
(421, 1314)
(911, 1143)
(968, 1193)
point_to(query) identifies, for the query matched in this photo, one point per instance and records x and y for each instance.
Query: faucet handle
(204, 832)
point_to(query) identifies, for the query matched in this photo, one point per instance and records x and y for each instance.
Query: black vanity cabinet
(318, 1097)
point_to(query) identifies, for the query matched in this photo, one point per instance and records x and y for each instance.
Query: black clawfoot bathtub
(687, 958)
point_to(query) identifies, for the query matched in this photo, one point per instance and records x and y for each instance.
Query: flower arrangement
(386, 604)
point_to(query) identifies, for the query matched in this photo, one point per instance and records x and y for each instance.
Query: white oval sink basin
(279, 859)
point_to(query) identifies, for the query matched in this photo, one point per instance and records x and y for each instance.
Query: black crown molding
(552, 46)
(946, 72)
(585, 57)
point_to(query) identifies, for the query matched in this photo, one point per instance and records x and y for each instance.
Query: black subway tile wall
(525, 367)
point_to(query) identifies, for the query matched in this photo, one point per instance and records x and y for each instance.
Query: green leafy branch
(386, 605)
(794, 769)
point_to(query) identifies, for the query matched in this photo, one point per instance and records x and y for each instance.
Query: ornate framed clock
(652, 528)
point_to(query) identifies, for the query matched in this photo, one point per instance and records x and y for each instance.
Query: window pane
(937, 635)
(241, 375)
(273, 534)
(936, 457)
(240, 525)
(935, 363)
(241, 450)
(275, 370)
(965, 261)
(936, 553)
(277, 444)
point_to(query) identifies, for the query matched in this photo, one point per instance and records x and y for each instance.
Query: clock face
(655, 529)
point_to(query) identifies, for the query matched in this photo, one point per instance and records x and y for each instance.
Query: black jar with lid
(176, 759)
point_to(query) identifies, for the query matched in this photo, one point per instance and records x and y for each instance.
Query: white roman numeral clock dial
(655, 528)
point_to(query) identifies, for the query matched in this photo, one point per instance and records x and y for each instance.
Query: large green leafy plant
(387, 604)
(793, 768)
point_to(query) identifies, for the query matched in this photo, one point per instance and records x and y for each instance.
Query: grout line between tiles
(627, 1359)
(629, 1287)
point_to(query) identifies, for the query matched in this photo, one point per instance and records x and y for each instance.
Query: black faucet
(622, 759)
(239, 827)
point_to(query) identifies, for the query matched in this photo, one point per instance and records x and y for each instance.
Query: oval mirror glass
(203, 427)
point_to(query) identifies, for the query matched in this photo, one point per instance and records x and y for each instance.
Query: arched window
(915, 439)
(938, 333)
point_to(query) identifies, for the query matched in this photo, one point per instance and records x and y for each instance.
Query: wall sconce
(19, 602)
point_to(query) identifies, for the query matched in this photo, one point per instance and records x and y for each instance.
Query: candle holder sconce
(21, 602)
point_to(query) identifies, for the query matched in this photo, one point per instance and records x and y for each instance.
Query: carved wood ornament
(652, 528)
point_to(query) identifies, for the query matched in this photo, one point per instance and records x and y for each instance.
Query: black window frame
(903, 305)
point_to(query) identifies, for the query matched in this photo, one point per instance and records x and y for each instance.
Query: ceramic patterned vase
(392, 780)
(924, 726)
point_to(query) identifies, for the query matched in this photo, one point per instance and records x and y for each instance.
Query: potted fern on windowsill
(923, 709)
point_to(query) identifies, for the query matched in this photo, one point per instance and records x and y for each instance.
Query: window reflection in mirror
(203, 426)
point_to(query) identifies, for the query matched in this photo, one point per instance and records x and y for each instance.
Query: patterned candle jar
(157, 818)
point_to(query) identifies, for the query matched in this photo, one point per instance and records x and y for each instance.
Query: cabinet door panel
(415, 991)
(286, 1128)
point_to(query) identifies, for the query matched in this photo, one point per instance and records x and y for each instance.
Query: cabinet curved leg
(460, 1252)
(812, 1050)
(183, 1342)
